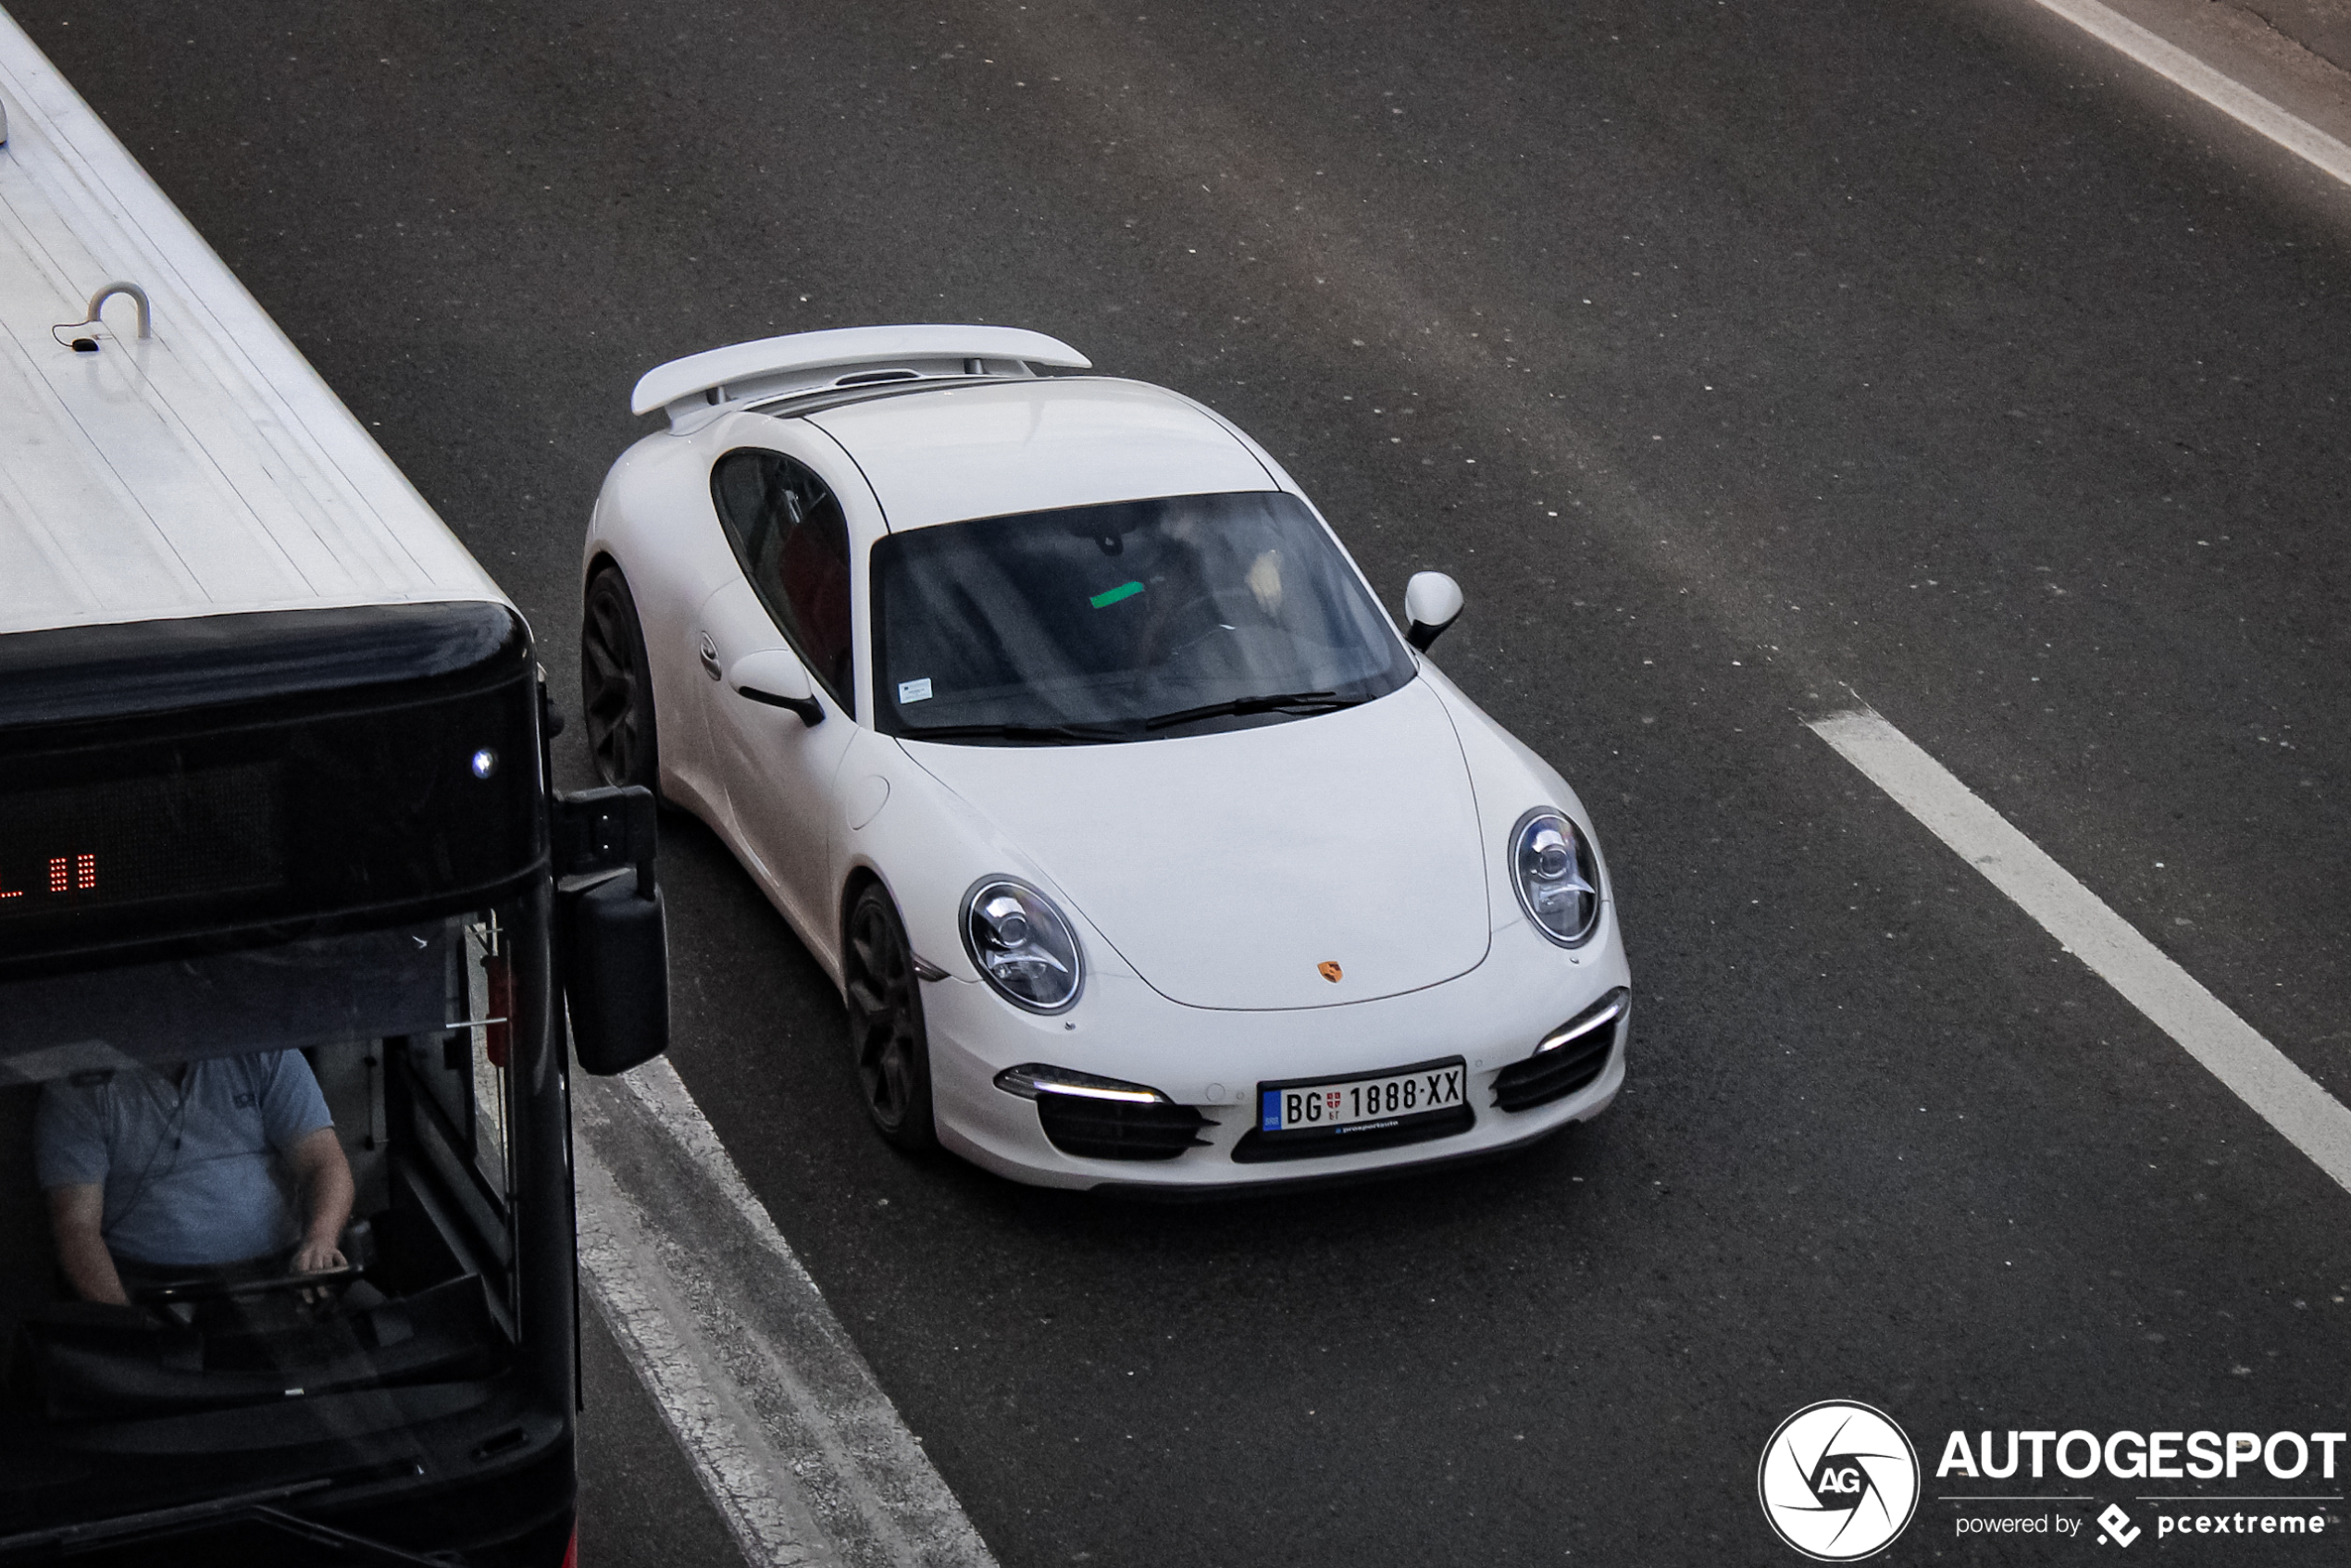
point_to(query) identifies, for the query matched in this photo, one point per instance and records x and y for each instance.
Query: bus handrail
(92, 315)
(138, 297)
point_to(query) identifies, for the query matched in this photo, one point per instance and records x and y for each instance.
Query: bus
(293, 935)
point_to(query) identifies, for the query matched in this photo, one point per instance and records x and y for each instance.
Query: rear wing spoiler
(845, 355)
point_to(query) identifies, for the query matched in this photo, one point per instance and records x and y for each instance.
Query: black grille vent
(1118, 1129)
(1560, 1071)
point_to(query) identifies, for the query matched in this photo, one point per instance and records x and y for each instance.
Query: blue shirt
(189, 1169)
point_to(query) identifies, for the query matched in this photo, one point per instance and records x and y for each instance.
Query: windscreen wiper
(1305, 702)
(155, 1521)
(260, 1507)
(1038, 732)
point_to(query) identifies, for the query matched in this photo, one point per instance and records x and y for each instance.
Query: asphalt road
(1737, 359)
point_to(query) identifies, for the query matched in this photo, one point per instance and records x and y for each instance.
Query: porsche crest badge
(1328, 968)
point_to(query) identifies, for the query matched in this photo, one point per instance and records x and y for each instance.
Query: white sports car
(1060, 727)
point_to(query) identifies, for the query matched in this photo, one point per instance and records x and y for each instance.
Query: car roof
(202, 470)
(987, 449)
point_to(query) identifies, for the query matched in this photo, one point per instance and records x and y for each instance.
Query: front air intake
(1570, 1058)
(1118, 1129)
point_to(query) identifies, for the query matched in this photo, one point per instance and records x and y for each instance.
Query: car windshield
(1129, 621)
(238, 1180)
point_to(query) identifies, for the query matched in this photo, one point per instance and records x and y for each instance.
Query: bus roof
(205, 470)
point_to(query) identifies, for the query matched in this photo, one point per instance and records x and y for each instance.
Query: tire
(616, 685)
(885, 1022)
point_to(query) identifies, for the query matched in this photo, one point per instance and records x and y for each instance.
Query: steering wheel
(210, 1289)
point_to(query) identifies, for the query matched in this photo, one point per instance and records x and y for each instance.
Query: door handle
(709, 652)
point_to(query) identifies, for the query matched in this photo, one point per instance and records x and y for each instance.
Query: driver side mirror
(776, 678)
(1432, 602)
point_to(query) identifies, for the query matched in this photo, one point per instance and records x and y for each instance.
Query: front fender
(928, 845)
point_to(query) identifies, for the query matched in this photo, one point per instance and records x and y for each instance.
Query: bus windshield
(240, 1180)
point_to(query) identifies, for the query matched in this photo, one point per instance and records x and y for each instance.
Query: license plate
(1344, 1105)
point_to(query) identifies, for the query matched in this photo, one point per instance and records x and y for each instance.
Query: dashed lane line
(2224, 93)
(2230, 1049)
(806, 1458)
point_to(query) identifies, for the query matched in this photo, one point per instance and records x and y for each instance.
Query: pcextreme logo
(1839, 1481)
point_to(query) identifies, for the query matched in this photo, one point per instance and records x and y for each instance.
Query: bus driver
(154, 1174)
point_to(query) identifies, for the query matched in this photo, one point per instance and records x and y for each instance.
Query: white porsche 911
(1060, 725)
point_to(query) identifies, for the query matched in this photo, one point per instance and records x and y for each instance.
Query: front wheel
(885, 1022)
(616, 684)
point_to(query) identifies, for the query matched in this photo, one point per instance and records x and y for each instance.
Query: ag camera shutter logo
(1838, 1481)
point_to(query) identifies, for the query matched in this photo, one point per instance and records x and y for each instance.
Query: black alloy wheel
(885, 1022)
(616, 684)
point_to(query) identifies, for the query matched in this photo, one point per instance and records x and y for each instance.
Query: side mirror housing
(618, 978)
(1432, 602)
(775, 676)
(613, 934)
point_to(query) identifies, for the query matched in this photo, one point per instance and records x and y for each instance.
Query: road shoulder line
(644, 1318)
(802, 1451)
(2224, 93)
(2231, 1049)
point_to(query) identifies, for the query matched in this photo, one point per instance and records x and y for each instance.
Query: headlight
(1558, 880)
(1022, 945)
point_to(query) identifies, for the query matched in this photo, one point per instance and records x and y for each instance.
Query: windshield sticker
(915, 691)
(1124, 590)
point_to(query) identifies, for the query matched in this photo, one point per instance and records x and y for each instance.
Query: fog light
(1098, 1118)
(1033, 1078)
(1606, 1011)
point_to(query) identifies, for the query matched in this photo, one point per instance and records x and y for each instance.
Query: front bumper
(1213, 1060)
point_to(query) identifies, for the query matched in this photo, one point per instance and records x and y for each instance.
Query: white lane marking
(805, 1455)
(638, 1301)
(2223, 93)
(659, 1088)
(866, 1449)
(2228, 1047)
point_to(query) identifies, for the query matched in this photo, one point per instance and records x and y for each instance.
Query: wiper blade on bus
(1042, 732)
(157, 1521)
(1311, 702)
(259, 1507)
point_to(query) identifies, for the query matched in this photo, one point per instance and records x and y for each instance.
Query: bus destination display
(168, 837)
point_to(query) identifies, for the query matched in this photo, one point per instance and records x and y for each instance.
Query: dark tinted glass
(408, 1034)
(226, 824)
(788, 533)
(1113, 620)
(236, 821)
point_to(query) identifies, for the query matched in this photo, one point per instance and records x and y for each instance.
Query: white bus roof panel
(205, 470)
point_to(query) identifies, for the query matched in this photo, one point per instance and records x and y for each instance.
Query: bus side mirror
(616, 943)
(616, 978)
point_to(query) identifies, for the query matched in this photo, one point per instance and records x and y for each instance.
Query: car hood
(1228, 868)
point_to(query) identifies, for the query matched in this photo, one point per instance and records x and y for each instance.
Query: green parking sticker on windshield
(1124, 590)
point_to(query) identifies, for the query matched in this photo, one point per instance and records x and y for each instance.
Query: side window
(789, 532)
